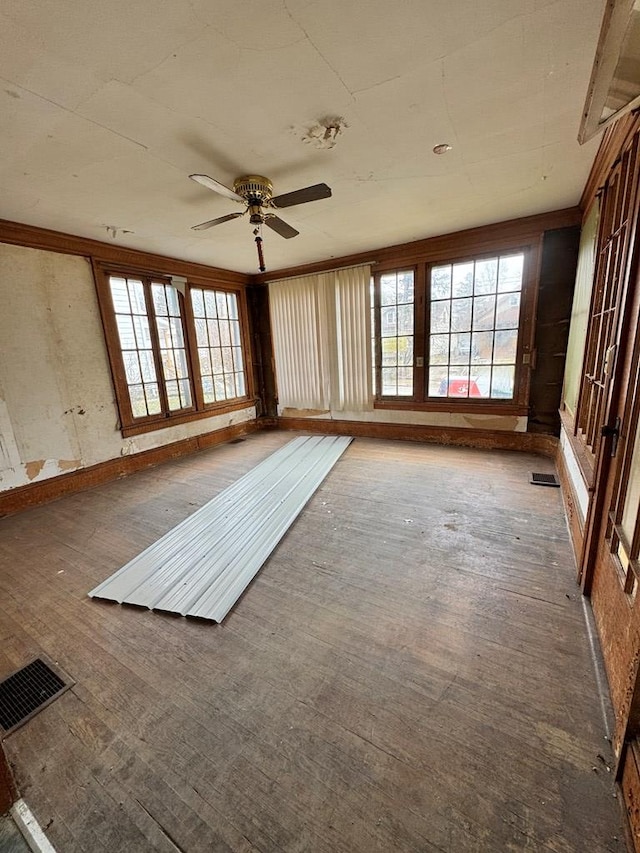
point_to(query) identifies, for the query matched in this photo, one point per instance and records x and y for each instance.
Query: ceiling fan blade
(302, 196)
(280, 226)
(204, 225)
(216, 186)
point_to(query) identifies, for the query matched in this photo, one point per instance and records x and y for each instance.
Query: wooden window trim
(419, 401)
(129, 425)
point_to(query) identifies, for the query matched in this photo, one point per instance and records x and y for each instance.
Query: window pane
(177, 336)
(210, 307)
(405, 351)
(143, 335)
(216, 360)
(147, 365)
(483, 312)
(502, 382)
(232, 302)
(182, 370)
(460, 349)
(438, 381)
(389, 381)
(185, 393)
(132, 368)
(505, 347)
(461, 315)
(136, 296)
(441, 282)
(236, 339)
(237, 359)
(439, 349)
(240, 389)
(230, 385)
(510, 275)
(389, 321)
(173, 303)
(508, 311)
(225, 336)
(125, 332)
(197, 302)
(159, 300)
(138, 401)
(214, 333)
(405, 381)
(389, 352)
(201, 332)
(440, 313)
(486, 279)
(205, 360)
(388, 289)
(227, 360)
(481, 376)
(458, 385)
(462, 280)
(152, 395)
(405, 319)
(207, 389)
(221, 300)
(405, 287)
(119, 295)
(482, 348)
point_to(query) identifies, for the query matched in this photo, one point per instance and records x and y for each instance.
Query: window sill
(583, 456)
(467, 407)
(187, 417)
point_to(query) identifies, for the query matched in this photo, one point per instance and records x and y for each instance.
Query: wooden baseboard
(485, 439)
(34, 494)
(571, 508)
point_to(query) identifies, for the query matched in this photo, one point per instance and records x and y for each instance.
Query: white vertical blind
(296, 343)
(322, 340)
(353, 339)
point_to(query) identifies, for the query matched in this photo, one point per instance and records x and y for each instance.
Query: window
(173, 357)
(464, 347)
(473, 328)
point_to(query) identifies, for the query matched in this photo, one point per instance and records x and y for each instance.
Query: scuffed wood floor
(409, 672)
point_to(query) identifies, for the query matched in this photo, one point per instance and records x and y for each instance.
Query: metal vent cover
(544, 480)
(28, 691)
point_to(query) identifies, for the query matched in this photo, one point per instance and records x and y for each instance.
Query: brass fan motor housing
(254, 189)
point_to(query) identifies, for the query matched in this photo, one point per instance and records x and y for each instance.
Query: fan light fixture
(256, 193)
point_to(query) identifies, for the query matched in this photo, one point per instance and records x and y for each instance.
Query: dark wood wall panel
(555, 296)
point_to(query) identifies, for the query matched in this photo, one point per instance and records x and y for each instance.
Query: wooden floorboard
(410, 671)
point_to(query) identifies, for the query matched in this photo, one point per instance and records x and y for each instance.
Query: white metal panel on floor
(202, 566)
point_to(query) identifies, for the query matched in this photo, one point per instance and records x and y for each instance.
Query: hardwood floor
(409, 672)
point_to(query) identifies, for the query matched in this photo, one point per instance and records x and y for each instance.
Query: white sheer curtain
(322, 341)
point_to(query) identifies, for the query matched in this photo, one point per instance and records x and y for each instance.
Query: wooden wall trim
(44, 491)
(32, 237)
(575, 521)
(484, 439)
(614, 140)
(474, 240)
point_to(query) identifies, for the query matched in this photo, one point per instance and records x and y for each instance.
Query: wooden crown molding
(473, 240)
(33, 237)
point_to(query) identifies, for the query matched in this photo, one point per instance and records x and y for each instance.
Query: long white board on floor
(203, 565)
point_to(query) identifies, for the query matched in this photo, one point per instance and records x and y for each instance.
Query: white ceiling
(108, 107)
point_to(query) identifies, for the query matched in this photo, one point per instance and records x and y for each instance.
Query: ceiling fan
(256, 193)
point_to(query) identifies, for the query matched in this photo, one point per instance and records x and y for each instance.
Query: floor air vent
(545, 480)
(28, 691)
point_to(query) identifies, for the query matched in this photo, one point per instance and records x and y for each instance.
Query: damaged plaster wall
(57, 404)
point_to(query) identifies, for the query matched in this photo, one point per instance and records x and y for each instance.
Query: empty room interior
(320, 426)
